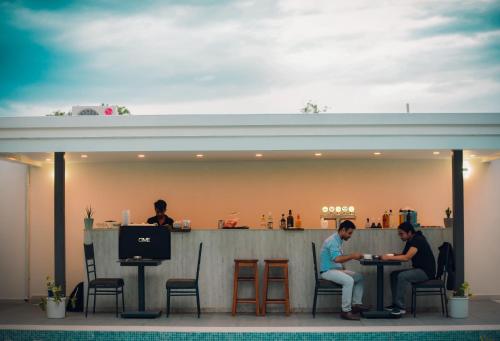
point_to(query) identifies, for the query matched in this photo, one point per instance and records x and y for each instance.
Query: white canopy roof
(265, 132)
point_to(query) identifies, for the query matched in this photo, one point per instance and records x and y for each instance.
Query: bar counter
(221, 247)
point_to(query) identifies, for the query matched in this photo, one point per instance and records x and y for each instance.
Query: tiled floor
(484, 312)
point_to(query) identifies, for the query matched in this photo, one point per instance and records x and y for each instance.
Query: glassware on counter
(269, 221)
(385, 220)
(298, 221)
(263, 222)
(289, 220)
(283, 221)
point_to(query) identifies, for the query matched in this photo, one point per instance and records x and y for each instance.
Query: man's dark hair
(160, 205)
(346, 225)
(407, 227)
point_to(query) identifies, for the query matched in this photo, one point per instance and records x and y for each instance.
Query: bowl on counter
(111, 223)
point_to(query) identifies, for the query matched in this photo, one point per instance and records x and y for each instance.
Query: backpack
(77, 295)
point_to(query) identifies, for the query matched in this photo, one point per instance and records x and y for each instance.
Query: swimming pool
(80, 335)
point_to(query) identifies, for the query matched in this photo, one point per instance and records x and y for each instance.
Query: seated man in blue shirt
(332, 268)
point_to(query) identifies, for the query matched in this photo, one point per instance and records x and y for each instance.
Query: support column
(458, 214)
(59, 221)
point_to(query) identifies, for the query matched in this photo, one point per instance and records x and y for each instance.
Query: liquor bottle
(269, 221)
(298, 222)
(367, 225)
(289, 219)
(283, 221)
(391, 219)
(263, 222)
(385, 220)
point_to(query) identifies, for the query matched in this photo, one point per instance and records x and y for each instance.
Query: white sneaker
(398, 311)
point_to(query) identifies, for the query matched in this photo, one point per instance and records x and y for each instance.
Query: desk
(141, 263)
(380, 312)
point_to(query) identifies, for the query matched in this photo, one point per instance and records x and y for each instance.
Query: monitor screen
(144, 242)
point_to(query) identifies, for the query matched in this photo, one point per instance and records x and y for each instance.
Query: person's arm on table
(346, 258)
(337, 256)
(412, 251)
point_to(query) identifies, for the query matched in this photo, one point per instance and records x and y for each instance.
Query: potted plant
(448, 221)
(89, 218)
(458, 304)
(55, 302)
(312, 108)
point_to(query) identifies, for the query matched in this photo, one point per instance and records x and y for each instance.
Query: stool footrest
(276, 300)
(246, 300)
(246, 278)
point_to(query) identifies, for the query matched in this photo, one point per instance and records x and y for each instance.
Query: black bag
(446, 259)
(77, 296)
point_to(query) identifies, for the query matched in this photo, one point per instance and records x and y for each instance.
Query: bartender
(161, 218)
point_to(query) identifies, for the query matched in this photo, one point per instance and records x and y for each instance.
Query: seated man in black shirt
(424, 265)
(161, 218)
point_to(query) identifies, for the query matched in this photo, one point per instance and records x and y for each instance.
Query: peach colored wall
(206, 191)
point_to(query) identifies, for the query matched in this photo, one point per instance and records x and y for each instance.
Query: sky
(242, 57)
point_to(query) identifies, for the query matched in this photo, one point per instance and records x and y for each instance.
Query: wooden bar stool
(276, 264)
(241, 264)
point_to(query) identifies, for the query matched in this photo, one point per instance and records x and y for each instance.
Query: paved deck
(484, 314)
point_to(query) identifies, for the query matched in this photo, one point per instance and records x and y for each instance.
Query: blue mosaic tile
(36, 335)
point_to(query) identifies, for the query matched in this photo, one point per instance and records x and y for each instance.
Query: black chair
(185, 286)
(322, 286)
(100, 286)
(432, 287)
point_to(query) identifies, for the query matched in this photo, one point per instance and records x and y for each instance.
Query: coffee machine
(408, 215)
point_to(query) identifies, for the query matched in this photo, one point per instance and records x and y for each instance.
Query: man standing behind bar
(161, 218)
(424, 265)
(332, 268)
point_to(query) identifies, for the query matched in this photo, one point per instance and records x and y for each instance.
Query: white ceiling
(100, 157)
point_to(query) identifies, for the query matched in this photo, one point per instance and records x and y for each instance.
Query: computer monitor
(144, 242)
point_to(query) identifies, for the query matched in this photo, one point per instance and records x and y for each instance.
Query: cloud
(259, 56)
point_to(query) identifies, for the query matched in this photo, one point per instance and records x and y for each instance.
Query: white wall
(482, 228)
(13, 182)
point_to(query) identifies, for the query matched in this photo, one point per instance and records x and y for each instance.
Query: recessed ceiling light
(199, 156)
(377, 153)
(473, 155)
(141, 156)
(12, 158)
(258, 155)
(317, 154)
(436, 153)
(84, 156)
(48, 160)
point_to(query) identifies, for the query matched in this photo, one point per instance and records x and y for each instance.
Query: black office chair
(322, 286)
(100, 286)
(432, 287)
(185, 286)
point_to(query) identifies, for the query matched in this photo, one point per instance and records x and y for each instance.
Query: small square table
(380, 312)
(140, 263)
